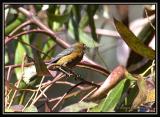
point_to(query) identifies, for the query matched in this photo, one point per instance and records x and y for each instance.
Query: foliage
(36, 33)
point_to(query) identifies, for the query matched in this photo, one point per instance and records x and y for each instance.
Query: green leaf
(56, 18)
(61, 18)
(22, 84)
(78, 107)
(133, 91)
(130, 76)
(41, 68)
(6, 57)
(38, 7)
(133, 42)
(84, 21)
(91, 10)
(31, 109)
(20, 52)
(20, 19)
(48, 48)
(147, 32)
(86, 39)
(109, 103)
(55, 15)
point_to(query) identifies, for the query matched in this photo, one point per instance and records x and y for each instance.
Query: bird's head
(80, 46)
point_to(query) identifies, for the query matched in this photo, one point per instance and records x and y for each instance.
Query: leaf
(133, 42)
(109, 103)
(133, 91)
(147, 32)
(142, 93)
(78, 107)
(130, 76)
(91, 10)
(150, 96)
(18, 58)
(6, 57)
(48, 48)
(57, 16)
(19, 53)
(15, 23)
(41, 68)
(61, 18)
(31, 109)
(84, 21)
(22, 84)
(150, 89)
(86, 39)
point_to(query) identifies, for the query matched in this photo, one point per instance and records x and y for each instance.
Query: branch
(56, 38)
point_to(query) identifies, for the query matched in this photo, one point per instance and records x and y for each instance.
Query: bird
(68, 57)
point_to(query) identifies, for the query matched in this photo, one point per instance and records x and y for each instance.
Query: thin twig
(44, 94)
(71, 94)
(88, 94)
(18, 81)
(61, 99)
(33, 47)
(69, 83)
(82, 64)
(8, 95)
(28, 101)
(149, 68)
(39, 88)
(56, 38)
(41, 94)
(18, 65)
(9, 73)
(58, 77)
(70, 72)
(137, 65)
(9, 38)
(66, 97)
(46, 86)
(81, 79)
(20, 26)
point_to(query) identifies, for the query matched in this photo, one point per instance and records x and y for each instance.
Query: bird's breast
(71, 59)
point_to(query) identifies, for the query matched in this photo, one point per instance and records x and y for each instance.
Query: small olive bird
(68, 57)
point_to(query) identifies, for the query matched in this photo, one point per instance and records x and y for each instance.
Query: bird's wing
(62, 54)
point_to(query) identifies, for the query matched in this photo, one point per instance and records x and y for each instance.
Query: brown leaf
(133, 42)
(142, 93)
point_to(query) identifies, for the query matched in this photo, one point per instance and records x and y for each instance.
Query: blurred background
(77, 23)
